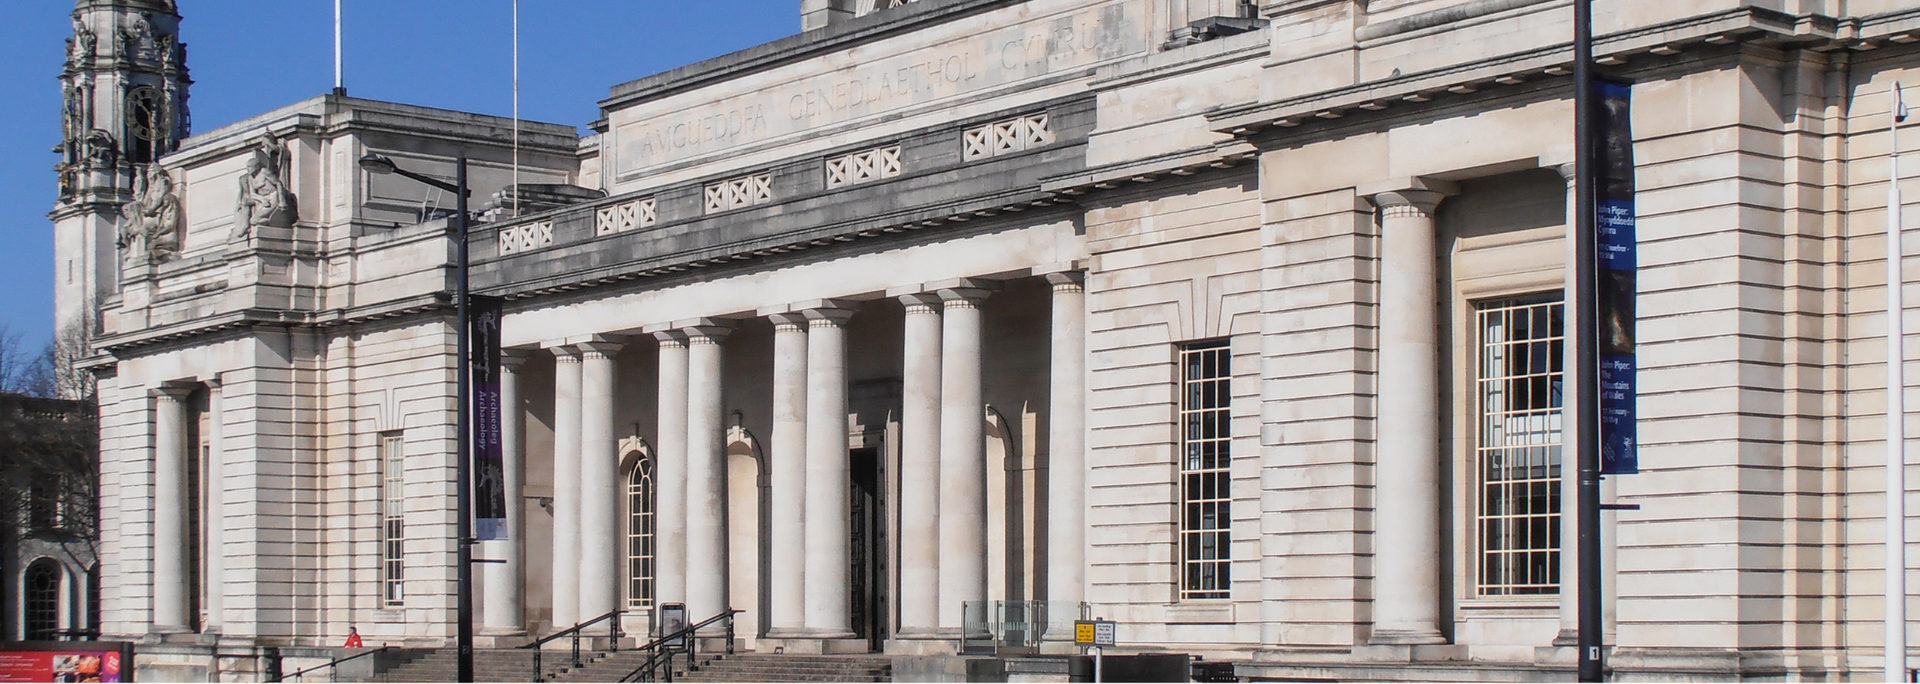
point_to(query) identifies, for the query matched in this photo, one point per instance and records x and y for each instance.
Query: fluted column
(600, 482)
(670, 467)
(788, 474)
(214, 589)
(1406, 583)
(172, 612)
(963, 470)
(706, 473)
(1066, 442)
(827, 609)
(920, 468)
(502, 606)
(566, 487)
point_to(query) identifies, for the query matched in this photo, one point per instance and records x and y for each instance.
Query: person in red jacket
(353, 638)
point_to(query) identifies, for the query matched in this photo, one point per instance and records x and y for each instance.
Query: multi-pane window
(1517, 449)
(640, 540)
(1205, 495)
(42, 601)
(393, 506)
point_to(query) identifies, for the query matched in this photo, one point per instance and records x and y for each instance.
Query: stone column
(670, 471)
(566, 487)
(827, 609)
(1407, 515)
(1569, 464)
(600, 483)
(1066, 442)
(788, 475)
(706, 473)
(214, 589)
(171, 595)
(503, 613)
(963, 456)
(920, 469)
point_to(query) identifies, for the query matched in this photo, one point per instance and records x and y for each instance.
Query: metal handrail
(662, 651)
(613, 638)
(335, 664)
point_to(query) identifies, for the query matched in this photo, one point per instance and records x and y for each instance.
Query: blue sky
(249, 56)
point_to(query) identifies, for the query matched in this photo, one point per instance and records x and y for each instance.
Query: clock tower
(124, 105)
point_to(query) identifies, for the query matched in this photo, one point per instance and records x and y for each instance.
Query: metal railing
(333, 667)
(575, 632)
(1014, 627)
(662, 651)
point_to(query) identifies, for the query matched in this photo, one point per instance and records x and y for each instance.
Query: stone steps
(489, 665)
(513, 665)
(794, 668)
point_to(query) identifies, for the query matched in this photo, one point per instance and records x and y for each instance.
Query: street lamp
(463, 451)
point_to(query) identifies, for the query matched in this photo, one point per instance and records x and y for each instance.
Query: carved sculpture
(265, 201)
(102, 150)
(84, 43)
(150, 224)
(136, 40)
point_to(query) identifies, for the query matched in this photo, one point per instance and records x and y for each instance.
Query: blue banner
(1615, 250)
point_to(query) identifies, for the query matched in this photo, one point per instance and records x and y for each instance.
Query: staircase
(516, 665)
(753, 667)
(489, 665)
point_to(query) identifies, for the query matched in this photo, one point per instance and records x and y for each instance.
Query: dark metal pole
(1587, 340)
(463, 467)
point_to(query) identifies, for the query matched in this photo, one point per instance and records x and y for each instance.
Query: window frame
(1546, 438)
(643, 563)
(1197, 475)
(390, 474)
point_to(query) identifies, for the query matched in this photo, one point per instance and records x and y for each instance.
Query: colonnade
(942, 497)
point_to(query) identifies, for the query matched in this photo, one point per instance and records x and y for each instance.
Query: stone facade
(1205, 315)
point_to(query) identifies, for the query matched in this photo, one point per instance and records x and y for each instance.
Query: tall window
(393, 505)
(42, 601)
(1205, 496)
(640, 542)
(1517, 449)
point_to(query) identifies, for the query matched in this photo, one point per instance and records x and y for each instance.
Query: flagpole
(339, 73)
(1896, 535)
(516, 107)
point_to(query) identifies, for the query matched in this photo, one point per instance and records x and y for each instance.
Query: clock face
(147, 115)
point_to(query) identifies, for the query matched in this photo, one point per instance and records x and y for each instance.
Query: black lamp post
(463, 451)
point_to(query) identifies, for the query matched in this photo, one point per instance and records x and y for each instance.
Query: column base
(813, 645)
(920, 645)
(1567, 637)
(1408, 653)
(1406, 637)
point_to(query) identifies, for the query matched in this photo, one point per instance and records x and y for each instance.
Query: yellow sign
(1083, 632)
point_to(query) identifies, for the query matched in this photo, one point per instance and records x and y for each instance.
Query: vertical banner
(1615, 276)
(489, 472)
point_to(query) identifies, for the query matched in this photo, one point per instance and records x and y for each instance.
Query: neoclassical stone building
(1239, 323)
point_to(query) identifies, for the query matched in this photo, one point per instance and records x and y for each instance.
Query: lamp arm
(429, 180)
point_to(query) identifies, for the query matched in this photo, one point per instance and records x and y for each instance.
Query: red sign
(76, 662)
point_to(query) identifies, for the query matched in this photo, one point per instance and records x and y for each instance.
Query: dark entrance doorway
(867, 547)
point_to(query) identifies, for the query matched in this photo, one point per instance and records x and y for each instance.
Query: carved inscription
(1035, 45)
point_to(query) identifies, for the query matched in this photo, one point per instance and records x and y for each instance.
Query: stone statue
(84, 42)
(150, 224)
(265, 201)
(136, 40)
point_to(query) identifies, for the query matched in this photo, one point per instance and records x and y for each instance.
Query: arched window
(640, 541)
(43, 601)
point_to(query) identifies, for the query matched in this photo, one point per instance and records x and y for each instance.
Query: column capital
(828, 316)
(670, 338)
(1067, 281)
(565, 353)
(1567, 172)
(512, 359)
(705, 330)
(920, 303)
(605, 346)
(788, 322)
(1416, 195)
(172, 391)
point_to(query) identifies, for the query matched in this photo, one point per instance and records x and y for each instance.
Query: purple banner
(489, 471)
